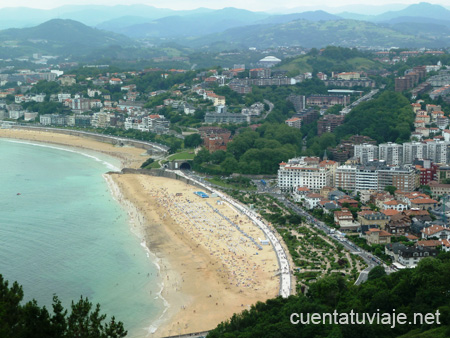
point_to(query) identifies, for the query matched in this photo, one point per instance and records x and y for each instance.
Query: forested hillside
(388, 118)
(425, 289)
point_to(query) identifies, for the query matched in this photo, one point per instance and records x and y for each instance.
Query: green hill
(307, 63)
(345, 33)
(63, 37)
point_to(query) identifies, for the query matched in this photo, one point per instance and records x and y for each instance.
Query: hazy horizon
(253, 5)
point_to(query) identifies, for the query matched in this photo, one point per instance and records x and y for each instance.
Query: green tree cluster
(388, 118)
(31, 321)
(424, 289)
(255, 152)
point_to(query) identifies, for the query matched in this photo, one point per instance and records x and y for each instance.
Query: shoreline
(209, 269)
(137, 226)
(196, 273)
(129, 157)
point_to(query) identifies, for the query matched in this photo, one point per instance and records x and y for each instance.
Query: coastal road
(283, 262)
(157, 146)
(370, 260)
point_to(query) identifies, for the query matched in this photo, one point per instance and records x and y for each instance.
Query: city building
(295, 122)
(391, 153)
(411, 256)
(378, 236)
(413, 151)
(366, 152)
(299, 172)
(328, 123)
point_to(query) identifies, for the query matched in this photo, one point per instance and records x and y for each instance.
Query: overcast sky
(254, 5)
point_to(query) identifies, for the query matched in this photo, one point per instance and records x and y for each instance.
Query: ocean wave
(136, 217)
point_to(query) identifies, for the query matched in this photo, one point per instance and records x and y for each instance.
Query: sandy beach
(129, 156)
(209, 269)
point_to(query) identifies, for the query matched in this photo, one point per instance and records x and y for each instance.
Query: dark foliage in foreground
(30, 320)
(424, 289)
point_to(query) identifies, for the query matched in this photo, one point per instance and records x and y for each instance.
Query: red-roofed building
(431, 243)
(115, 81)
(390, 212)
(395, 205)
(436, 231)
(351, 202)
(377, 236)
(445, 245)
(412, 237)
(424, 203)
(300, 193)
(295, 122)
(215, 138)
(342, 215)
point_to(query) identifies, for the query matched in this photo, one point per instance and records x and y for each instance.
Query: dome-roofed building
(269, 61)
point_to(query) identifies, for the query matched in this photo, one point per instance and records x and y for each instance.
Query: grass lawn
(222, 183)
(185, 155)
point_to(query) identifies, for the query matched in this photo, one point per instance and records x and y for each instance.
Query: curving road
(158, 146)
(370, 259)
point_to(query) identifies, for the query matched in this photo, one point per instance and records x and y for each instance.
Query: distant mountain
(62, 37)
(347, 33)
(118, 24)
(356, 16)
(422, 9)
(310, 16)
(354, 8)
(419, 22)
(20, 17)
(193, 24)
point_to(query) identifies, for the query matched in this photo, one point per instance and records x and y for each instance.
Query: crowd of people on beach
(233, 251)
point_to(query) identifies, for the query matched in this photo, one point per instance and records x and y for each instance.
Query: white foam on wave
(109, 165)
(136, 217)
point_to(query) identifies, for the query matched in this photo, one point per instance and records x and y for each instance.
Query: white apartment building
(391, 153)
(374, 177)
(100, 120)
(366, 178)
(366, 152)
(63, 96)
(298, 173)
(413, 150)
(438, 151)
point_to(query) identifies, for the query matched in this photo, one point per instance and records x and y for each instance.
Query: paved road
(271, 105)
(159, 147)
(366, 97)
(348, 245)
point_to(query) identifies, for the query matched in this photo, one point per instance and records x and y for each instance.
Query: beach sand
(209, 270)
(129, 156)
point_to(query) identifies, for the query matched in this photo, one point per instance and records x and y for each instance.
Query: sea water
(61, 232)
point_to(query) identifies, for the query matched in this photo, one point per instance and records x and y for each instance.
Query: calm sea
(62, 233)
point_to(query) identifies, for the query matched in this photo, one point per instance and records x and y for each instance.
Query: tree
(230, 165)
(192, 141)
(376, 272)
(390, 189)
(30, 320)
(218, 156)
